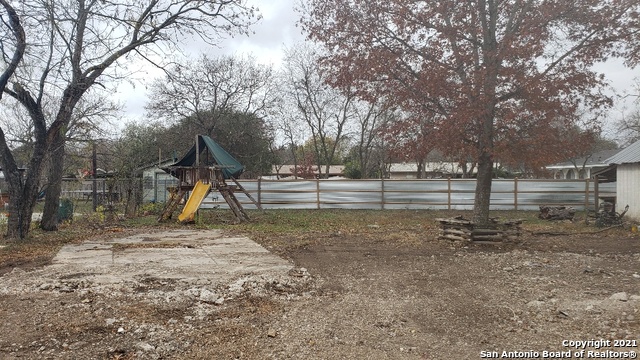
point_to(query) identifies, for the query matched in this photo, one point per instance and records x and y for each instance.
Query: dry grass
(281, 230)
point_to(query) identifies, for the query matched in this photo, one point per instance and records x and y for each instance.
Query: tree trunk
(23, 193)
(23, 188)
(483, 190)
(54, 187)
(132, 199)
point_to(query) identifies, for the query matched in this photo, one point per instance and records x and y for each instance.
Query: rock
(621, 296)
(373, 226)
(634, 297)
(299, 272)
(145, 346)
(17, 271)
(208, 296)
(238, 286)
(637, 276)
(120, 330)
(272, 333)
(219, 301)
(111, 321)
(77, 345)
(46, 286)
(536, 303)
(193, 292)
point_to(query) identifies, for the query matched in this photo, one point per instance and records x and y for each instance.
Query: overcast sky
(278, 30)
(272, 34)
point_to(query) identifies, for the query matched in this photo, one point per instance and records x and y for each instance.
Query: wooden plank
(453, 237)
(256, 203)
(487, 242)
(487, 237)
(456, 232)
(486, 232)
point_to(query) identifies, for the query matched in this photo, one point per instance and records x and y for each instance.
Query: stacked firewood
(459, 228)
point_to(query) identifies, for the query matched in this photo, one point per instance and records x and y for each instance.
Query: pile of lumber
(459, 228)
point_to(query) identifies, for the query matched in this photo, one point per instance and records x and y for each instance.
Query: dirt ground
(366, 294)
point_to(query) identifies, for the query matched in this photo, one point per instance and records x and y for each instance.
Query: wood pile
(460, 229)
(556, 212)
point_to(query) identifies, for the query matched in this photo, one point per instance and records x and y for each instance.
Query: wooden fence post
(260, 191)
(449, 193)
(586, 194)
(318, 193)
(515, 193)
(596, 193)
(382, 193)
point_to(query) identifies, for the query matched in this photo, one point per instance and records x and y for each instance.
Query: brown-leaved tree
(501, 78)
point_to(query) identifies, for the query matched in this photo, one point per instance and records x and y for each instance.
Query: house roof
(158, 165)
(287, 170)
(598, 158)
(631, 154)
(440, 166)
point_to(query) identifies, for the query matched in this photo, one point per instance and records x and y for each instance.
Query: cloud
(276, 30)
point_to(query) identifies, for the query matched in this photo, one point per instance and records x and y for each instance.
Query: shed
(155, 182)
(627, 163)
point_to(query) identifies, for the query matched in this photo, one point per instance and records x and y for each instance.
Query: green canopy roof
(230, 166)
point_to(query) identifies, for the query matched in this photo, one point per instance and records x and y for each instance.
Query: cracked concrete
(186, 255)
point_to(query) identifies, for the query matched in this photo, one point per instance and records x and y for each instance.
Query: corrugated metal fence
(453, 194)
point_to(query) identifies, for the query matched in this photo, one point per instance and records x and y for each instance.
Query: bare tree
(209, 89)
(13, 43)
(628, 127)
(325, 111)
(77, 44)
(370, 117)
(13, 46)
(289, 128)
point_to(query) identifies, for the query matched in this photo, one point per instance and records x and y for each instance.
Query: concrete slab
(189, 255)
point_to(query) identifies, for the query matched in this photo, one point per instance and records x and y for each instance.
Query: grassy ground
(281, 228)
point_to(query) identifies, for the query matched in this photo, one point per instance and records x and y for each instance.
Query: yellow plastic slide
(198, 194)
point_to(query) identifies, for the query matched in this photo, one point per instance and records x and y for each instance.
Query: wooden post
(382, 193)
(318, 193)
(515, 193)
(596, 193)
(94, 170)
(449, 193)
(197, 157)
(586, 194)
(260, 191)
(257, 204)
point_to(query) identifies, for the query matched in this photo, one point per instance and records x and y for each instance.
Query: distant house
(582, 168)
(280, 172)
(432, 170)
(627, 167)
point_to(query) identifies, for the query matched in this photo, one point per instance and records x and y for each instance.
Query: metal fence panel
(455, 194)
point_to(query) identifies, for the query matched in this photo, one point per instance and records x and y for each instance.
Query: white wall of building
(628, 190)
